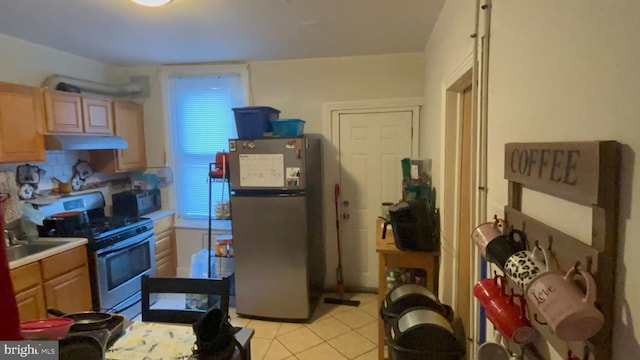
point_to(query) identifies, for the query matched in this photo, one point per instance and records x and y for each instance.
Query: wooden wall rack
(586, 173)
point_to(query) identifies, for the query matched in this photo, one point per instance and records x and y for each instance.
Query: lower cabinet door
(166, 261)
(31, 304)
(70, 292)
(165, 267)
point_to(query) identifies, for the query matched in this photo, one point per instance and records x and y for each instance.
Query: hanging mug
(511, 319)
(484, 233)
(524, 266)
(502, 247)
(487, 290)
(570, 314)
(506, 316)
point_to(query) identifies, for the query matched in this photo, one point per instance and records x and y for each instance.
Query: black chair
(218, 291)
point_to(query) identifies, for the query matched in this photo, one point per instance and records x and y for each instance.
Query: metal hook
(589, 262)
(587, 352)
(570, 355)
(535, 317)
(538, 244)
(550, 243)
(576, 267)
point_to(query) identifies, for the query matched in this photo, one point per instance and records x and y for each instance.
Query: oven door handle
(138, 239)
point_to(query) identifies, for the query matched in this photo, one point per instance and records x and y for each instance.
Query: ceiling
(119, 32)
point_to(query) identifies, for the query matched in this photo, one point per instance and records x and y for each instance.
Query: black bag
(215, 338)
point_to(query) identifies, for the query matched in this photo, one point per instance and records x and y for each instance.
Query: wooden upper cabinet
(74, 113)
(97, 115)
(21, 123)
(64, 112)
(128, 124)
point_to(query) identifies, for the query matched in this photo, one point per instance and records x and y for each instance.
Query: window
(202, 121)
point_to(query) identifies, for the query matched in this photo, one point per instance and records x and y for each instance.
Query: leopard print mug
(524, 266)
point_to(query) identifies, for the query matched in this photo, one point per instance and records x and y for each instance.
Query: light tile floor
(334, 331)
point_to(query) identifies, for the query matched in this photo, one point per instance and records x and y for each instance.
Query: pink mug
(570, 314)
(488, 231)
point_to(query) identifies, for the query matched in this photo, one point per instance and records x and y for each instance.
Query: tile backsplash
(59, 164)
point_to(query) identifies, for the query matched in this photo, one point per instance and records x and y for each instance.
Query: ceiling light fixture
(152, 2)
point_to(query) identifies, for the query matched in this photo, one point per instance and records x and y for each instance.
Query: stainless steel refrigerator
(276, 217)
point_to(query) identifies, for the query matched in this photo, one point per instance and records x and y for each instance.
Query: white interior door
(371, 145)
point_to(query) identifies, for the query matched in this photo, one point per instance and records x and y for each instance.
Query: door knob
(345, 216)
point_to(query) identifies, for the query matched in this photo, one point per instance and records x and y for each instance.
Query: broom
(340, 282)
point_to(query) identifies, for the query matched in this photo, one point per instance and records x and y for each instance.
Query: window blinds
(202, 122)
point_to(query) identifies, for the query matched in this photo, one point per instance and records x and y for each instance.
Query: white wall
(559, 71)
(298, 88)
(26, 63)
(448, 48)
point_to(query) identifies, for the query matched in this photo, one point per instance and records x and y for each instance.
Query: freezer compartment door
(270, 244)
(268, 164)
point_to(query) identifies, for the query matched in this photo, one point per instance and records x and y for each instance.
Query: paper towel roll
(11, 207)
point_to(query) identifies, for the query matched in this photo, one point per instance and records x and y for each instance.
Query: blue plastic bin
(253, 122)
(288, 127)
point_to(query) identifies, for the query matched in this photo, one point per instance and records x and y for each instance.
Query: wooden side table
(389, 257)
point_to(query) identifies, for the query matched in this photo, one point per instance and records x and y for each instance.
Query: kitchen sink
(16, 252)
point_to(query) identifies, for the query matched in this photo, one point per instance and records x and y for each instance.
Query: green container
(406, 169)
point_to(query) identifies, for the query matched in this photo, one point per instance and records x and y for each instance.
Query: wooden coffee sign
(563, 169)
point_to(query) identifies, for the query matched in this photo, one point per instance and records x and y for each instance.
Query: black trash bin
(405, 296)
(420, 333)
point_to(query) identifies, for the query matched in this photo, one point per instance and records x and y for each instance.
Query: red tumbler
(10, 320)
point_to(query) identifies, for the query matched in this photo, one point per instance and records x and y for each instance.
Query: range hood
(83, 142)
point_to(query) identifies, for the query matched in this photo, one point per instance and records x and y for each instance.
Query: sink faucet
(10, 238)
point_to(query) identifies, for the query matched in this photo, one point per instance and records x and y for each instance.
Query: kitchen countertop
(157, 215)
(71, 243)
(216, 225)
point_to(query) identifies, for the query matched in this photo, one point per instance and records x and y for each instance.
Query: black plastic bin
(406, 296)
(420, 333)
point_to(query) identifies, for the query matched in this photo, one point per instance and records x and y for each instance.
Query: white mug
(524, 266)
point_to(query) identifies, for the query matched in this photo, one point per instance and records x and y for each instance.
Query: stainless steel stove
(120, 250)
